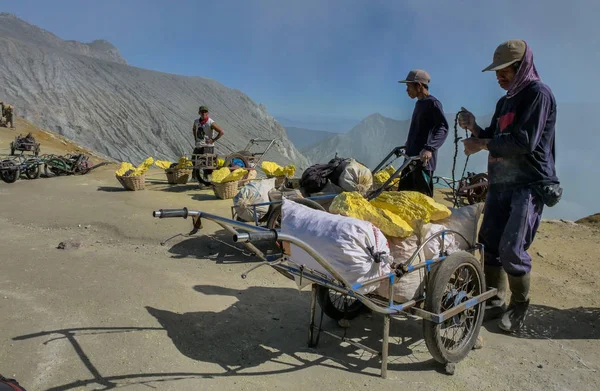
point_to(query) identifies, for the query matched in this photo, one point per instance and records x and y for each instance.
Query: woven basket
(133, 182)
(178, 176)
(225, 190)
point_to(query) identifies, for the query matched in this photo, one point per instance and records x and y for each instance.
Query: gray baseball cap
(417, 76)
(507, 53)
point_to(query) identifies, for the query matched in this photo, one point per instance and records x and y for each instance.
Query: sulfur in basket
(228, 190)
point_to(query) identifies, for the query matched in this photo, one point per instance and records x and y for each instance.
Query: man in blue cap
(427, 133)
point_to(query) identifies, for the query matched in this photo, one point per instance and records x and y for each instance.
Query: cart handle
(164, 213)
(250, 237)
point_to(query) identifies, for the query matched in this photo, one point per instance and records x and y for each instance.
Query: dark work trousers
(419, 179)
(510, 221)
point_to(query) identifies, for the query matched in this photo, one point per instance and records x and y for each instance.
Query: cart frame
(250, 234)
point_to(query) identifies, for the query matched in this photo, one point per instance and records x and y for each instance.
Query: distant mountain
(374, 137)
(88, 93)
(306, 138)
(332, 124)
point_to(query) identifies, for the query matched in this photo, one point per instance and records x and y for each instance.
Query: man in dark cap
(427, 133)
(520, 141)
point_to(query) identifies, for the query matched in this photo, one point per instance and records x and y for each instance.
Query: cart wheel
(229, 158)
(478, 194)
(332, 303)
(274, 221)
(34, 172)
(10, 176)
(455, 280)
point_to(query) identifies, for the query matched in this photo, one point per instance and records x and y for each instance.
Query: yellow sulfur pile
(164, 164)
(224, 175)
(382, 176)
(411, 206)
(274, 169)
(127, 169)
(183, 162)
(352, 204)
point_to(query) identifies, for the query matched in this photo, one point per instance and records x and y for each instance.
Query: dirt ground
(117, 309)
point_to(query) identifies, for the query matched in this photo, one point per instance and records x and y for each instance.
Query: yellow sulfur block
(353, 204)
(411, 206)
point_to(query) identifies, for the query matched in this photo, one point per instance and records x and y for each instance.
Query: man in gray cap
(520, 141)
(427, 133)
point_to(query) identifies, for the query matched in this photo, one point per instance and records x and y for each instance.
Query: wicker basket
(133, 182)
(178, 176)
(226, 190)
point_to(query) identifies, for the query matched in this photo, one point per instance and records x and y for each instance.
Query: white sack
(411, 284)
(254, 192)
(342, 241)
(356, 177)
(464, 220)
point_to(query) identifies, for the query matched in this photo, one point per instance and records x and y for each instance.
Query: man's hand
(466, 119)
(474, 145)
(425, 156)
(210, 141)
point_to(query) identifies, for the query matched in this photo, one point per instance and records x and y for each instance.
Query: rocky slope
(89, 94)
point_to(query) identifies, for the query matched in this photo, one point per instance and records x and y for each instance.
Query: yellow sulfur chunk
(274, 169)
(184, 162)
(382, 176)
(220, 162)
(164, 164)
(353, 204)
(143, 167)
(411, 206)
(224, 175)
(125, 166)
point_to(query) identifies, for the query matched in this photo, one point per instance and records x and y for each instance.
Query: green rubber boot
(495, 277)
(514, 317)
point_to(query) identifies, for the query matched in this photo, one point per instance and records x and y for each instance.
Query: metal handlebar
(251, 237)
(164, 213)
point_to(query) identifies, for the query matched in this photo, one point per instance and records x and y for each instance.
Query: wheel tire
(440, 277)
(10, 176)
(229, 158)
(33, 173)
(335, 312)
(478, 194)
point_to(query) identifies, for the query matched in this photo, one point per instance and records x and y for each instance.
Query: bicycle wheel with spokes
(453, 281)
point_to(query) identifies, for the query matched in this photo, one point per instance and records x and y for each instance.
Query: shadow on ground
(545, 322)
(111, 189)
(218, 246)
(265, 325)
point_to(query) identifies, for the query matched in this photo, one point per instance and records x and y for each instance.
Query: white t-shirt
(208, 132)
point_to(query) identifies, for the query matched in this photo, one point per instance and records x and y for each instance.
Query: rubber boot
(495, 277)
(514, 317)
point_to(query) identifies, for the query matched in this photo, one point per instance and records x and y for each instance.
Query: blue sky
(339, 59)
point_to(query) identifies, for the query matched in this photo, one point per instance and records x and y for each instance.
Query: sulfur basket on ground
(133, 182)
(228, 190)
(178, 176)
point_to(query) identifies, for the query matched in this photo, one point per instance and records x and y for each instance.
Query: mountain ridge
(124, 112)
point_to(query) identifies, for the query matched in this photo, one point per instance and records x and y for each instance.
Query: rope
(456, 140)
